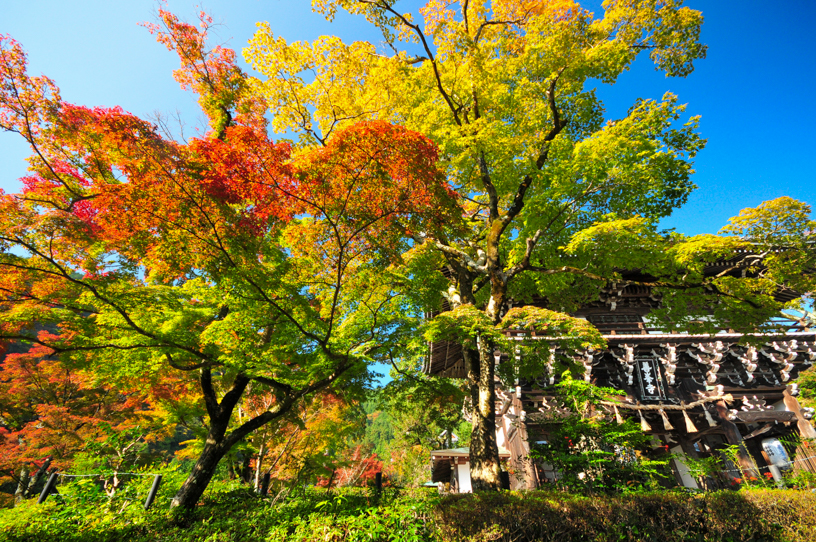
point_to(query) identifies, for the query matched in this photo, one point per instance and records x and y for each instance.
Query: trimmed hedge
(726, 516)
(232, 513)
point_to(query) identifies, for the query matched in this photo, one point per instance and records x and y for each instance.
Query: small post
(378, 482)
(153, 490)
(265, 484)
(49, 485)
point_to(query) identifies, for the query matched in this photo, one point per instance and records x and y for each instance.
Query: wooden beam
(756, 416)
(733, 436)
(803, 424)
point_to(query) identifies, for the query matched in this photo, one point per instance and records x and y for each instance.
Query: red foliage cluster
(50, 409)
(109, 199)
(358, 470)
(142, 195)
(212, 74)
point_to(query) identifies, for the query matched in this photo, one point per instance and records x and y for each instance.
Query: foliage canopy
(554, 200)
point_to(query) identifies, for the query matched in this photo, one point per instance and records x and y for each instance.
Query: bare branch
(485, 24)
(525, 261)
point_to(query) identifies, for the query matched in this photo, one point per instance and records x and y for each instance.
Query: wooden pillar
(734, 437)
(806, 430)
(519, 447)
(687, 448)
(807, 449)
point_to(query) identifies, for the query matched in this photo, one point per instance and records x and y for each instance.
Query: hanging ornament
(690, 428)
(618, 417)
(709, 419)
(644, 425)
(666, 423)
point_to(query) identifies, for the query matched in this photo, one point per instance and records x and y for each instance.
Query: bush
(727, 516)
(230, 511)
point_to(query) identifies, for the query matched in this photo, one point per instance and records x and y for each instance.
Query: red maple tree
(228, 257)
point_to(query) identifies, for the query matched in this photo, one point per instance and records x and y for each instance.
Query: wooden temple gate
(696, 393)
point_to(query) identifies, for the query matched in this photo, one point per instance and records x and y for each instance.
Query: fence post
(265, 484)
(378, 482)
(49, 485)
(153, 490)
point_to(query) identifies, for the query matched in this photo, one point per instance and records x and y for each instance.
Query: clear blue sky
(754, 91)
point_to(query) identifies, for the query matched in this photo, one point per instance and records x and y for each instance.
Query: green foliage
(703, 467)
(462, 324)
(559, 330)
(424, 414)
(807, 387)
(776, 240)
(800, 479)
(591, 452)
(229, 513)
(119, 450)
(379, 430)
(568, 332)
(777, 223)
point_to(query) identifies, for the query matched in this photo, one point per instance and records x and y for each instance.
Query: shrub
(228, 512)
(231, 512)
(756, 515)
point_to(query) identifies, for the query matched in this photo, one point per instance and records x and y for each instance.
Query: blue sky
(754, 91)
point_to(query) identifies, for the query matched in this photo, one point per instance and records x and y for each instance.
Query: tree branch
(464, 259)
(210, 398)
(525, 262)
(558, 124)
(231, 398)
(272, 383)
(193, 367)
(437, 76)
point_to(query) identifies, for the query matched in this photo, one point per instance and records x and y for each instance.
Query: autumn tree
(227, 256)
(309, 444)
(555, 200)
(52, 412)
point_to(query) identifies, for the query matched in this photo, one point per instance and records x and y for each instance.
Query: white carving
(669, 362)
(628, 361)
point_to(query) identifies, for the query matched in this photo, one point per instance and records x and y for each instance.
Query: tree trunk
(259, 466)
(196, 483)
(219, 443)
(22, 485)
(485, 468)
(28, 482)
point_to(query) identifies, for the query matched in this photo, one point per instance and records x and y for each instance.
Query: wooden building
(696, 393)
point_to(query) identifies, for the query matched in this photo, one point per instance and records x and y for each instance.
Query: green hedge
(726, 516)
(230, 512)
